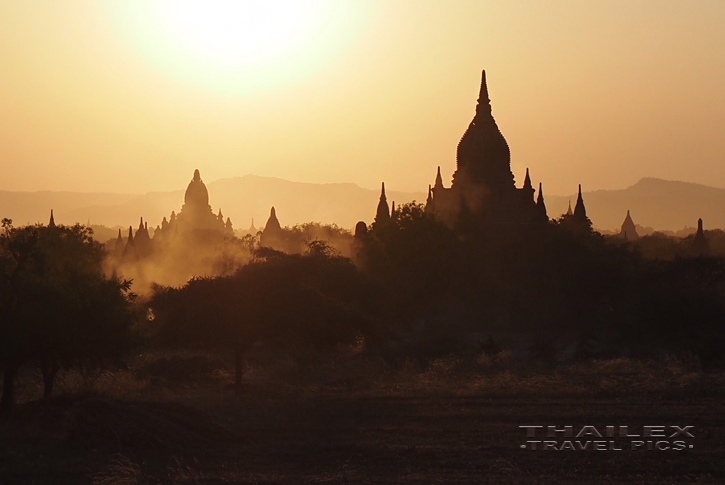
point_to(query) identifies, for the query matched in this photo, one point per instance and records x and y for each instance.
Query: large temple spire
(382, 215)
(483, 156)
(484, 103)
(579, 209)
(540, 205)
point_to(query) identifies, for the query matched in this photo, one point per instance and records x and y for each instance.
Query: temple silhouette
(195, 222)
(196, 214)
(483, 191)
(483, 184)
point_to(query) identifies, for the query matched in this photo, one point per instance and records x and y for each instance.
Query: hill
(652, 202)
(241, 198)
(655, 203)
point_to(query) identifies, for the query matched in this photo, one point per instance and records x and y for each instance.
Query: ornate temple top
(196, 196)
(483, 154)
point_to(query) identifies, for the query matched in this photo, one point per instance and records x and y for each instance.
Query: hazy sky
(132, 96)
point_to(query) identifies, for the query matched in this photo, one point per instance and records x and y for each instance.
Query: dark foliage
(56, 307)
(298, 304)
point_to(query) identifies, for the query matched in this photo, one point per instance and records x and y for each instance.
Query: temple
(483, 184)
(273, 235)
(196, 214)
(700, 245)
(196, 221)
(629, 230)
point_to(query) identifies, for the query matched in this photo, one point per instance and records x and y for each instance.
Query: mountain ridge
(653, 202)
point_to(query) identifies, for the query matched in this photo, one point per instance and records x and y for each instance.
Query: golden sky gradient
(132, 96)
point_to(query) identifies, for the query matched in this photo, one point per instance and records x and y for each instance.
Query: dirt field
(436, 425)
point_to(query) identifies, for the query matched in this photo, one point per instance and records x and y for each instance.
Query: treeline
(412, 288)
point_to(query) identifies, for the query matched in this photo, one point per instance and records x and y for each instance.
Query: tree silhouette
(56, 307)
(294, 303)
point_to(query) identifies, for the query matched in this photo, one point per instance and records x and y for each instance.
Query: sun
(246, 45)
(239, 34)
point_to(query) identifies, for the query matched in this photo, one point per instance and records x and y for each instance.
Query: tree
(294, 303)
(56, 306)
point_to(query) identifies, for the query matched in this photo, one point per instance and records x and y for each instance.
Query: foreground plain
(173, 419)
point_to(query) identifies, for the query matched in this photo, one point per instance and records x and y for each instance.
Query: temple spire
(527, 180)
(580, 212)
(629, 230)
(51, 223)
(382, 215)
(484, 103)
(540, 205)
(439, 180)
(700, 245)
(579, 209)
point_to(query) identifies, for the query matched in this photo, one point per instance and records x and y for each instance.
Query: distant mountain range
(656, 203)
(240, 198)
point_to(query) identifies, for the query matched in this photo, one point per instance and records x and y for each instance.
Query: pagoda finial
(580, 212)
(700, 245)
(629, 229)
(540, 205)
(484, 103)
(483, 93)
(51, 223)
(197, 176)
(527, 180)
(382, 214)
(540, 198)
(439, 180)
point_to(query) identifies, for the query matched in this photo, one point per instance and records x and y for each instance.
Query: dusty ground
(437, 425)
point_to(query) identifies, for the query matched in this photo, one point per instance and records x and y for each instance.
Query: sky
(132, 96)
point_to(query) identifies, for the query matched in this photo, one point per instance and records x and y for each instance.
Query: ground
(174, 419)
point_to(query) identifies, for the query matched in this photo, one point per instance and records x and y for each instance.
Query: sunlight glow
(241, 46)
(236, 34)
